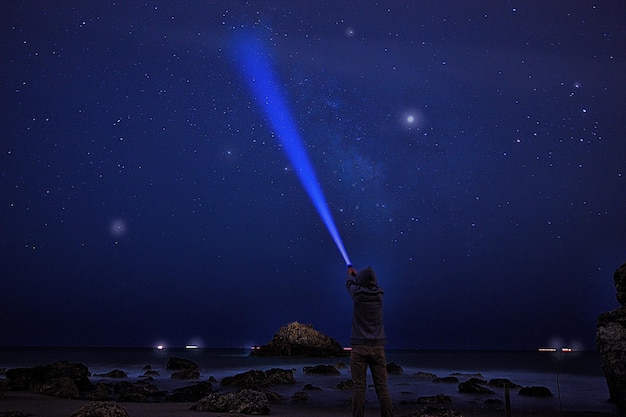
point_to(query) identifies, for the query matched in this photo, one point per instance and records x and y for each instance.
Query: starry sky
(473, 153)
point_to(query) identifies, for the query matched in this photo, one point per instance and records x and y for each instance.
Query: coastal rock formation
(22, 379)
(192, 393)
(502, 382)
(257, 380)
(101, 409)
(245, 402)
(297, 339)
(116, 373)
(180, 364)
(431, 411)
(474, 386)
(535, 391)
(327, 370)
(394, 369)
(611, 341)
(62, 387)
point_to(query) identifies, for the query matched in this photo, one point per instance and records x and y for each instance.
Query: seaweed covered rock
(297, 339)
(611, 342)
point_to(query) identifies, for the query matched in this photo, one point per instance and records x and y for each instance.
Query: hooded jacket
(367, 309)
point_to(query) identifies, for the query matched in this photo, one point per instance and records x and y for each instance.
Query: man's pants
(361, 357)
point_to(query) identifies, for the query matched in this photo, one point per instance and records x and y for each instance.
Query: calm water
(576, 376)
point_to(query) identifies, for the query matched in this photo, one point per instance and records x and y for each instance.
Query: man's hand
(351, 271)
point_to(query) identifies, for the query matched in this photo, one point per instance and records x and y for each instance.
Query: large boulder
(191, 393)
(611, 342)
(258, 380)
(297, 339)
(244, 402)
(101, 409)
(21, 379)
(62, 387)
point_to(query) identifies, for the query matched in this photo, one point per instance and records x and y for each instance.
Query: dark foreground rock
(245, 402)
(611, 342)
(101, 409)
(255, 379)
(327, 370)
(192, 393)
(434, 412)
(33, 379)
(297, 339)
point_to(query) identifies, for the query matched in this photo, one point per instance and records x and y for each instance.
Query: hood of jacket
(367, 277)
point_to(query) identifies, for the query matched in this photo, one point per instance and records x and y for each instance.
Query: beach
(576, 384)
(45, 406)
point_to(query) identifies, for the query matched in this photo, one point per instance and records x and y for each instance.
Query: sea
(574, 378)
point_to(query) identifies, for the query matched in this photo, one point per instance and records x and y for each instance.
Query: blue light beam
(257, 71)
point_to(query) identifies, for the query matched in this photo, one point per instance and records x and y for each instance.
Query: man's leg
(378, 366)
(358, 368)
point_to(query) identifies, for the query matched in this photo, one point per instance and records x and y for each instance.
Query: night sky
(473, 153)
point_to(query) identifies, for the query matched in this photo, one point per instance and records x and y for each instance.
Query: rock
(255, 379)
(180, 364)
(151, 373)
(327, 370)
(501, 382)
(3, 387)
(300, 397)
(245, 402)
(21, 379)
(273, 397)
(138, 392)
(447, 380)
(434, 412)
(426, 375)
(101, 409)
(116, 373)
(435, 399)
(311, 387)
(62, 387)
(297, 339)
(148, 367)
(100, 393)
(344, 385)
(535, 391)
(186, 374)
(611, 343)
(191, 393)
(474, 386)
(466, 375)
(341, 365)
(394, 369)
